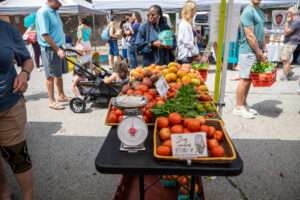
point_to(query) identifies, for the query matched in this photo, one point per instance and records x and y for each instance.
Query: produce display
(184, 101)
(218, 144)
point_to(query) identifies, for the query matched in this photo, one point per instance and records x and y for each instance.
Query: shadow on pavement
(35, 97)
(268, 108)
(64, 166)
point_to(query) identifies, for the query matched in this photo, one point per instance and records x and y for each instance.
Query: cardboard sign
(189, 146)
(162, 86)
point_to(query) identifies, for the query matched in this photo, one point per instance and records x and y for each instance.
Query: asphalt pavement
(64, 145)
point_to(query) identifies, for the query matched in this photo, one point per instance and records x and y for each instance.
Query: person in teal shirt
(252, 50)
(51, 38)
(84, 35)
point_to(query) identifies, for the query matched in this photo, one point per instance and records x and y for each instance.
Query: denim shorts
(246, 61)
(113, 47)
(124, 53)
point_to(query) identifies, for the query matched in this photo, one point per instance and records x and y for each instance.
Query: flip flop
(56, 106)
(65, 99)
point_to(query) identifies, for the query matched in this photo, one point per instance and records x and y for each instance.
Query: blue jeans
(132, 56)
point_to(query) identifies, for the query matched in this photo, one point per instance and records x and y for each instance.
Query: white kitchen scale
(132, 130)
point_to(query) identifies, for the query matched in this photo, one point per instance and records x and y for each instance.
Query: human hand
(20, 83)
(61, 53)
(288, 20)
(266, 56)
(167, 46)
(81, 97)
(261, 57)
(158, 44)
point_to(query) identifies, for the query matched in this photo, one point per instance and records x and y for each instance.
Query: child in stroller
(120, 75)
(90, 86)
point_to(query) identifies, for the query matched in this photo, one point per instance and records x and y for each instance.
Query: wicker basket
(116, 124)
(229, 156)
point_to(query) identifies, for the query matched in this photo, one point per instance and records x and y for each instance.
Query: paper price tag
(162, 86)
(189, 145)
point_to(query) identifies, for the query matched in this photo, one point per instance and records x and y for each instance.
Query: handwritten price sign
(162, 86)
(189, 145)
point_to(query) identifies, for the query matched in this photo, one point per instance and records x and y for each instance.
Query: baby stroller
(93, 89)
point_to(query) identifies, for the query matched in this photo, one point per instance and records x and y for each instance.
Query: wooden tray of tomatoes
(220, 148)
(114, 116)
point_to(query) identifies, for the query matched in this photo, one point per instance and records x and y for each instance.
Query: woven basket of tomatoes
(220, 148)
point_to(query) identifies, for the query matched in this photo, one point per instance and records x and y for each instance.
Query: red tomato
(212, 142)
(120, 118)
(217, 151)
(145, 118)
(119, 112)
(149, 114)
(218, 135)
(182, 180)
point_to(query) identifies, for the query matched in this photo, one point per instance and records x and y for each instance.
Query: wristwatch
(27, 72)
(265, 51)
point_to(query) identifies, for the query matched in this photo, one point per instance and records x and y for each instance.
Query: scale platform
(132, 149)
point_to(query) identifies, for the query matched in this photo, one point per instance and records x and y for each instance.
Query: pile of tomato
(174, 124)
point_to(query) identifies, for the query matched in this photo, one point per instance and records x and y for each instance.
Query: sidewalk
(63, 146)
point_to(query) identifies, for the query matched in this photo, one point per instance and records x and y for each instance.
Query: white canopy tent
(120, 6)
(25, 7)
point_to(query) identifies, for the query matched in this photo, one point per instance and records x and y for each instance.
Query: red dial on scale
(132, 130)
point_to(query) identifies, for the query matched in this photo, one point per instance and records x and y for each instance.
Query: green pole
(220, 49)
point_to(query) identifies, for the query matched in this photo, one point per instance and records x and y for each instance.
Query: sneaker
(243, 113)
(251, 110)
(290, 74)
(283, 78)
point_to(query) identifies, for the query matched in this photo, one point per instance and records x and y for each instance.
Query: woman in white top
(187, 46)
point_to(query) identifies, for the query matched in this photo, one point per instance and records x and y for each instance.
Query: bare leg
(286, 67)
(25, 180)
(244, 102)
(50, 88)
(241, 93)
(116, 58)
(110, 60)
(4, 189)
(60, 87)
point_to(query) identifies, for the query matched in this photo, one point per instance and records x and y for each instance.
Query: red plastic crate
(263, 79)
(203, 73)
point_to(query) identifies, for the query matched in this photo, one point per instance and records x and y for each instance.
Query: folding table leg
(193, 181)
(142, 191)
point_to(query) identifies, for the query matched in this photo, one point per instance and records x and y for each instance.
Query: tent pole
(78, 18)
(226, 52)
(219, 52)
(297, 4)
(94, 31)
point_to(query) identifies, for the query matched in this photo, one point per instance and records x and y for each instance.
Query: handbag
(32, 37)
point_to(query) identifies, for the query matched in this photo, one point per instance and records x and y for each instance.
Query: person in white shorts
(252, 50)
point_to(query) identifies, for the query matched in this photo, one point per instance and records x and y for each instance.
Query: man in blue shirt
(252, 50)
(13, 120)
(51, 38)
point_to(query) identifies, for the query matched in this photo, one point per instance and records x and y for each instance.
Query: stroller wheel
(77, 105)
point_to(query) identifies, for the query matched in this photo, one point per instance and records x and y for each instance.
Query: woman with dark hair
(84, 35)
(148, 42)
(132, 32)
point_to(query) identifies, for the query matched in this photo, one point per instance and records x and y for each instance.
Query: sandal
(65, 99)
(56, 106)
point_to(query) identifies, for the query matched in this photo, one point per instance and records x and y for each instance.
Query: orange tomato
(218, 135)
(182, 180)
(168, 143)
(164, 151)
(186, 121)
(194, 125)
(120, 118)
(119, 112)
(174, 118)
(164, 133)
(143, 88)
(130, 92)
(177, 129)
(162, 122)
(112, 118)
(217, 151)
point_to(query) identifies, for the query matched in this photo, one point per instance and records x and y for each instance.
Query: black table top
(110, 160)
